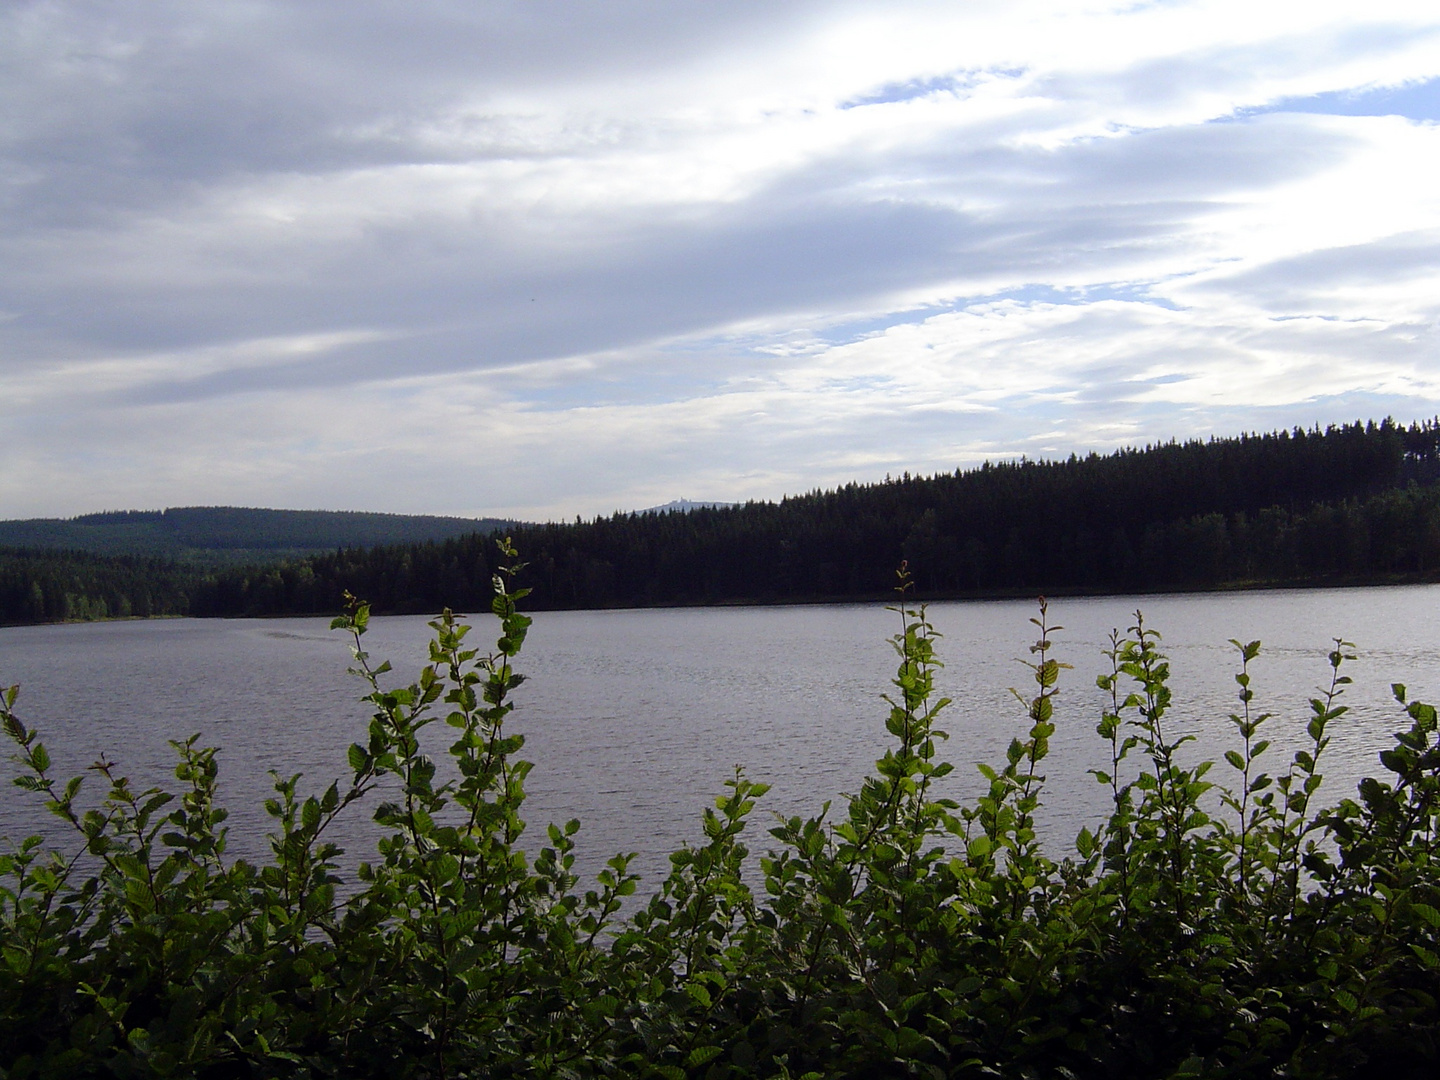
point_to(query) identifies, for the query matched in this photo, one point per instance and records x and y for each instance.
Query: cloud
(548, 258)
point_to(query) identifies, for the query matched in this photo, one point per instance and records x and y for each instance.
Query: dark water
(635, 718)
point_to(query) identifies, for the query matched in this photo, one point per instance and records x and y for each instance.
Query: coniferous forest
(1354, 503)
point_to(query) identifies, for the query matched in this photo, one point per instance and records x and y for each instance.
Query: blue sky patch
(914, 89)
(1414, 101)
(1129, 292)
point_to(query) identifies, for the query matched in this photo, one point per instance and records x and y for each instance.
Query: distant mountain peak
(684, 506)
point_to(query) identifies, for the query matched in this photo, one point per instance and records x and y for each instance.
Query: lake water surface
(635, 718)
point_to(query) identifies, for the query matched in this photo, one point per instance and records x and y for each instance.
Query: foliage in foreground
(900, 934)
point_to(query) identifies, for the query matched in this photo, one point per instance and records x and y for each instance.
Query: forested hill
(1355, 503)
(220, 535)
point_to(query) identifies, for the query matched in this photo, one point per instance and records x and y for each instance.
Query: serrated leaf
(1428, 913)
(702, 1055)
(1428, 958)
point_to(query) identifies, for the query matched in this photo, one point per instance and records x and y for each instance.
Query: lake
(635, 718)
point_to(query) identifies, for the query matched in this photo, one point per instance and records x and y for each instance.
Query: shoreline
(918, 597)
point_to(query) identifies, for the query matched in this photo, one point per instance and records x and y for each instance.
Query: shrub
(1202, 929)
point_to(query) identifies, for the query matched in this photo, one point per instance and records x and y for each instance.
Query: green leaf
(698, 993)
(1428, 913)
(702, 1055)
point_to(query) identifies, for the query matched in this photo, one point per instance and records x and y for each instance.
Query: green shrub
(1203, 929)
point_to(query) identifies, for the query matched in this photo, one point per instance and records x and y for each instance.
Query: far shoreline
(916, 597)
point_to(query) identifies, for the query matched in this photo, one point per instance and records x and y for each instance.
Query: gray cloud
(642, 225)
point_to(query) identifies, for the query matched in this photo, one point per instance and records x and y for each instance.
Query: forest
(1347, 504)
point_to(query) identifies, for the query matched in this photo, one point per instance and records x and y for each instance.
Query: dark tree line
(51, 586)
(1358, 502)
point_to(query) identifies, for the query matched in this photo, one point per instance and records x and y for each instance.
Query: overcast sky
(544, 258)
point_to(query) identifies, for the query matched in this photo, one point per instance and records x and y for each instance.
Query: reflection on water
(635, 718)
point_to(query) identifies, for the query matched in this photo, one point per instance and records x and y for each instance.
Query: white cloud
(548, 259)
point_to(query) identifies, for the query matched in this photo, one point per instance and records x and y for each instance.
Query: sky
(548, 258)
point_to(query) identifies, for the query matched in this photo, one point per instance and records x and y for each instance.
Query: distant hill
(231, 535)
